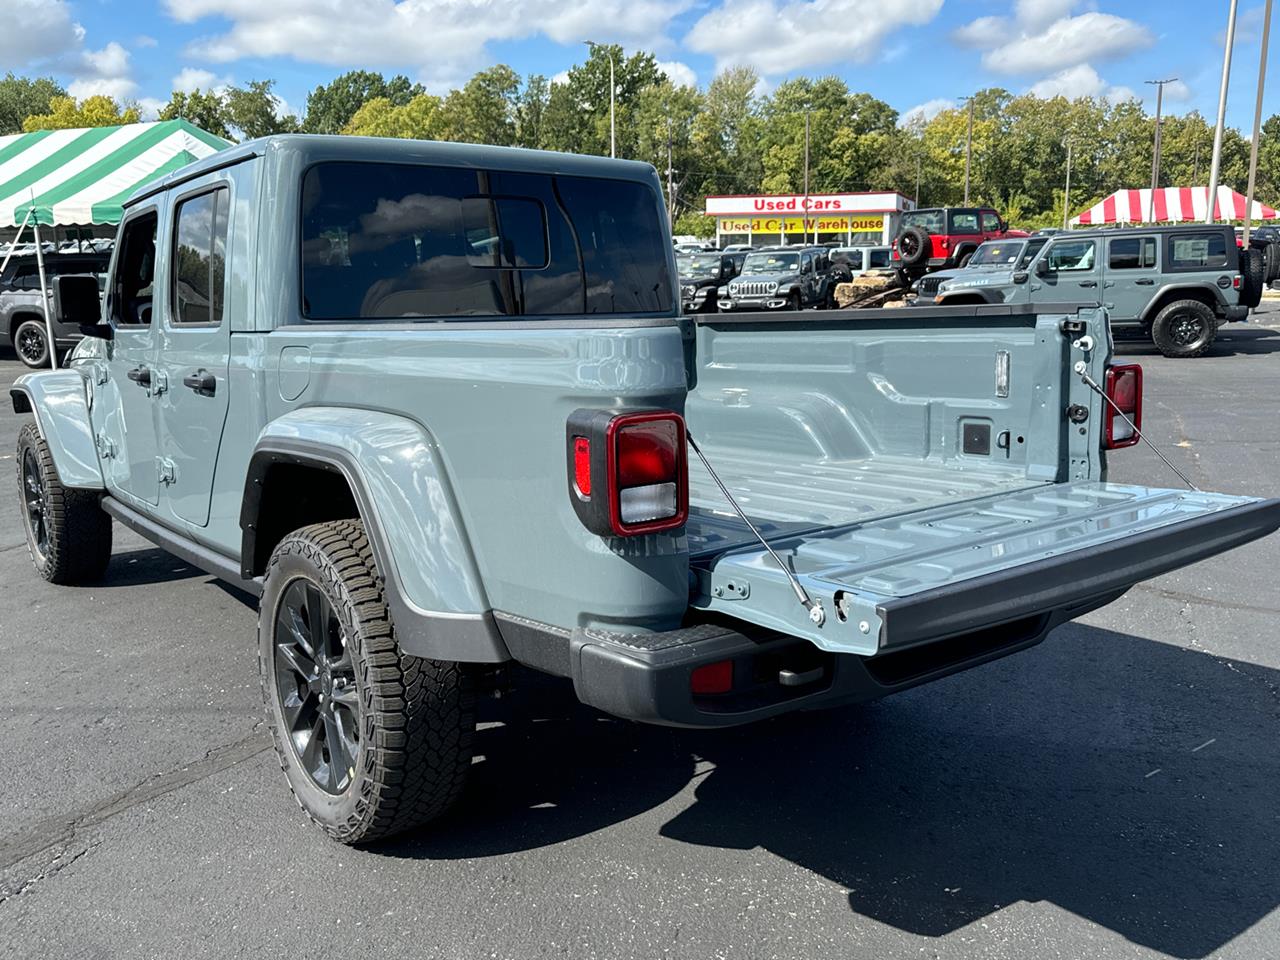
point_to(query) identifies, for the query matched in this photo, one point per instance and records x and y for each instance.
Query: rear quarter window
(400, 241)
(1198, 251)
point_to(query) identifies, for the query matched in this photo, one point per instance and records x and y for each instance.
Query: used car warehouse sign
(798, 224)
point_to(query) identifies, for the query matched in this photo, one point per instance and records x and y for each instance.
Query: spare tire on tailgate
(1271, 260)
(1253, 272)
(914, 246)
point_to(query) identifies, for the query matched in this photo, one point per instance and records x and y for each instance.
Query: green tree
(662, 118)
(485, 109)
(331, 106)
(419, 119)
(587, 92)
(252, 111)
(22, 97)
(205, 109)
(64, 113)
(531, 107)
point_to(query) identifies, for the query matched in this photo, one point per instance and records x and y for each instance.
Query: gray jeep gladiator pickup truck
(1172, 285)
(436, 406)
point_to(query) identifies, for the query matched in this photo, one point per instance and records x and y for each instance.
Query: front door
(194, 342)
(1132, 276)
(1072, 276)
(124, 409)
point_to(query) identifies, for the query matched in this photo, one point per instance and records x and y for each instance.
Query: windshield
(931, 220)
(996, 253)
(772, 263)
(699, 266)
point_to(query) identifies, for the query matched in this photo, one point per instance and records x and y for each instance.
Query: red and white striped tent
(1172, 205)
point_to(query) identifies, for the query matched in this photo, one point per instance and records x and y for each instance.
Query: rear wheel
(1185, 328)
(31, 342)
(372, 741)
(68, 534)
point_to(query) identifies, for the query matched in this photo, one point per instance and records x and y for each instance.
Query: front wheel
(68, 534)
(31, 341)
(372, 741)
(793, 300)
(1184, 329)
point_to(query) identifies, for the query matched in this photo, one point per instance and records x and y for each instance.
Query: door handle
(1145, 282)
(141, 375)
(202, 382)
(1088, 283)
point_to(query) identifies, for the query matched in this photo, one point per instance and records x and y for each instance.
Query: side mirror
(1004, 226)
(76, 300)
(1042, 267)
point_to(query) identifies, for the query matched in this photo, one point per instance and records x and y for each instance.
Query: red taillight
(1124, 388)
(582, 465)
(628, 474)
(712, 678)
(1236, 282)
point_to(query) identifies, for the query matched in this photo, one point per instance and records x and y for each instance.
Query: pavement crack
(1191, 598)
(62, 828)
(59, 862)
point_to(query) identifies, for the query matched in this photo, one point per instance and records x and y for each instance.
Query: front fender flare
(59, 400)
(393, 466)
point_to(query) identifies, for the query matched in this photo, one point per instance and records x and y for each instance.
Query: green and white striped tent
(84, 176)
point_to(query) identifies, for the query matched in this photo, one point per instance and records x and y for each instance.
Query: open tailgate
(895, 582)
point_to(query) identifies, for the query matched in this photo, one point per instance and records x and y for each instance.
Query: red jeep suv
(945, 237)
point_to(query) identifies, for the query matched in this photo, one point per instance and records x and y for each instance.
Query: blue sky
(915, 54)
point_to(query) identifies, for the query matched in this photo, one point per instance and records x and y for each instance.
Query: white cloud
(1177, 90)
(779, 36)
(1079, 81)
(143, 40)
(190, 79)
(1042, 36)
(149, 107)
(680, 74)
(561, 77)
(441, 39)
(924, 112)
(104, 72)
(36, 32)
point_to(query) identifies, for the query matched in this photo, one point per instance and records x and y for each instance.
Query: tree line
(728, 137)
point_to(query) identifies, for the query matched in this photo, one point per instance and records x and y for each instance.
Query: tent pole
(44, 295)
(1257, 123)
(16, 238)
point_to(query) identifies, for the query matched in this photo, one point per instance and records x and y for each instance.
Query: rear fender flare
(59, 400)
(393, 466)
(1161, 297)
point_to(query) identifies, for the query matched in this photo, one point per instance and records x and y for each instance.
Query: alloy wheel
(316, 683)
(31, 346)
(33, 496)
(1186, 329)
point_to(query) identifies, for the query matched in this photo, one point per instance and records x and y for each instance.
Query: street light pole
(968, 151)
(1215, 167)
(1257, 124)
(804, 215)
(1066, 190)
(919, 160)
(1155, 151)
(613, 87)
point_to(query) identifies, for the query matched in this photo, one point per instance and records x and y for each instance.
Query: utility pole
(613, 87)
(1195, 163)
(804, 217)
(1215, 167)
(968, 151)
(1257, 124)
(1155, 151)
(671, 196)
(918, 163)
(1066, 190)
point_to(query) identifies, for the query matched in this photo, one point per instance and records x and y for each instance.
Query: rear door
(1132, 276)
(899, 581)
(193, 353)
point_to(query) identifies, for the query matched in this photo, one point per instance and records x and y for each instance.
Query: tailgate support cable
(1093, 385)
(816, 613)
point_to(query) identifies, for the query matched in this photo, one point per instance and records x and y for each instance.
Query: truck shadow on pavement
(1233, 341)
(1130, 782)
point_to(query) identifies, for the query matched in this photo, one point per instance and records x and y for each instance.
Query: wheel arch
(384, 470)
(59, 401)
(1211, 297)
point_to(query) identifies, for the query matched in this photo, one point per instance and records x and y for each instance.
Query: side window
(990, 221)
(1196, 251)
(132, 292)
(806, 265)
(964, 221)
(877, 258)
(1132, 253)
(1071, 255)
(27, 277)
(199, 258)
(1033, 247)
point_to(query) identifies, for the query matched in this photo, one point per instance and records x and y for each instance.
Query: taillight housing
(629, 472)
(1124, 388)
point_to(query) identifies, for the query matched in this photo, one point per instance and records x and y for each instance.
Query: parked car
(434, 405)
(781, 278)
(1174, 285)
(850, 262)
(944, 237)
(738, 248)
(22, 307)
(703, 276)
(992, 257)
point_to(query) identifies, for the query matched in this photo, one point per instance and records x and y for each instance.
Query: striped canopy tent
(1170, 205)
(83, 176)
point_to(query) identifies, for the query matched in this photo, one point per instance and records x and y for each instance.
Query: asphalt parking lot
(1110, 793)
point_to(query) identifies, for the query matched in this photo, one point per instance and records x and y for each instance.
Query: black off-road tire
(1184, 329)
(1253, 271)
(31, 343)
(914, 246)
(74, 546)
(964, 260)
(794, 302)
(415, 716)
(1271, 259)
